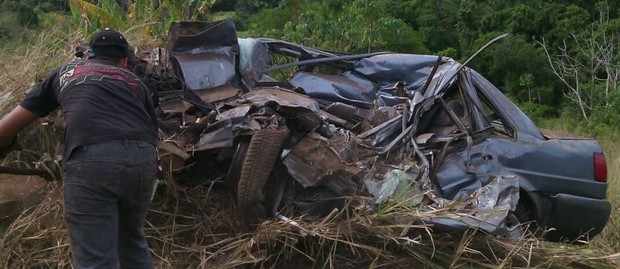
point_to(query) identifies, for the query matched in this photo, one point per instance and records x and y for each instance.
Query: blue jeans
(106, 191)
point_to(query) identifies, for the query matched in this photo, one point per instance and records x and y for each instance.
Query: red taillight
(600, 167)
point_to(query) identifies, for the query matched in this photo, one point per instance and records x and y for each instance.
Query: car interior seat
(443, 124)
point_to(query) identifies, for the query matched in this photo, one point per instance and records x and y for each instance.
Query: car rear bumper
(573, 217)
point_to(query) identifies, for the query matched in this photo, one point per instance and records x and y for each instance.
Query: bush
(537, 112)
(26, 15)
(606, 117)
(9, 27)
(5, 31)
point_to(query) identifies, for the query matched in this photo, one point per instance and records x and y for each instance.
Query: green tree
(518, 68)
(177, 10)
(26, 15)
(246, 8)
(587, 65)
(351, 26)
(224, 5)
(149, 18)
(434, 22)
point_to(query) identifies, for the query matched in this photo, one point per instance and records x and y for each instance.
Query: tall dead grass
(197, 227)
(609, 239)
(22, 68)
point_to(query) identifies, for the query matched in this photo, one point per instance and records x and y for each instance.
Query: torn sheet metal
(253, 59)
(217, 94)
(282, 97)
(388, 69)
(199, 75)
(487, 208)
(217, 135)
(206, 59)
(313, 160)
(349, 90)
(304, 112)
(236, 112)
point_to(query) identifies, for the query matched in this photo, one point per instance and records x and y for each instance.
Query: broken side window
(493, 115)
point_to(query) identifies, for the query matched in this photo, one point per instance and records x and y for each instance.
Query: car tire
(262, 154)
(234, 171)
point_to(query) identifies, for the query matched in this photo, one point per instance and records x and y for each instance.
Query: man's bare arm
(13, 123)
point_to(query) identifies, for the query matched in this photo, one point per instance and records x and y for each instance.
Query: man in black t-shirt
(110, 156)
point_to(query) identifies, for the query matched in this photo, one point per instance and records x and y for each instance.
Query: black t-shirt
(100, 102)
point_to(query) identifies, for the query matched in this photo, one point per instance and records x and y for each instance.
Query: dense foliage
(560, 59)
(16, 16)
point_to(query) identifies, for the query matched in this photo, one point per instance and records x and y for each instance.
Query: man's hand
(10, 125)
(8, 149)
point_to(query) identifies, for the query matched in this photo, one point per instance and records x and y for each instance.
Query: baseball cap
(109, 43)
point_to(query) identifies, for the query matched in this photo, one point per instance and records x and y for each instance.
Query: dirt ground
(18, 193)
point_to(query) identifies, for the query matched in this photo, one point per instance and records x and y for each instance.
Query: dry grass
(19, 70)
(609, 239)
(197, 228)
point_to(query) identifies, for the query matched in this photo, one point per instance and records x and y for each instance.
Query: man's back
(100, 102)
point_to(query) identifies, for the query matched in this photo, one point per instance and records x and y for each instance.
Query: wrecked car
(289, 128)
